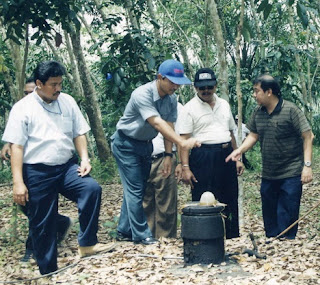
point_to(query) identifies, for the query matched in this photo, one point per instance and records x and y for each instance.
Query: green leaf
(266, 11)
(313, 28)
(246, 34)
(151, 63)
(115, 90)
(122, 87)
(117, 79)
(39, 40)
(302, 13)
(155, 24)
(291, 2)
(109, 224)
(262, 6)
(121, 72)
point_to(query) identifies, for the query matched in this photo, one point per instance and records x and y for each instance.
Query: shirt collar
(217, 99)
(155, 92)
(40, 100)
(277, 109)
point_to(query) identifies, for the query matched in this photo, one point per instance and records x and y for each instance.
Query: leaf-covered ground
(288, 262)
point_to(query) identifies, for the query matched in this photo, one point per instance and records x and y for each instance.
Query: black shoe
(28, 254)
(64, 232)
(123, 237)
(147, 241)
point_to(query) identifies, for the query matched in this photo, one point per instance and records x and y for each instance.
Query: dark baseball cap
(205, 77)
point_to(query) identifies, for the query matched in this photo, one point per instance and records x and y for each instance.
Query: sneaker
(64, 232)
(27, 256)
(94, 249)
(123, 237)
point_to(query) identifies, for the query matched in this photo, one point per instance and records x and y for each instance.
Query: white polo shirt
(207, 125)
(46, 131)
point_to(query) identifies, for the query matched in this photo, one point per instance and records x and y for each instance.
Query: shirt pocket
(66, 125)
(282, 131)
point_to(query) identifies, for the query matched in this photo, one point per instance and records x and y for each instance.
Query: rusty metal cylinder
(203, 233)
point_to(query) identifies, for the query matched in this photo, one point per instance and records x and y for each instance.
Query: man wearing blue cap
(151, 109)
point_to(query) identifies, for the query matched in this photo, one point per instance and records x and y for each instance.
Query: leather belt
(159, 155)
(217, 145)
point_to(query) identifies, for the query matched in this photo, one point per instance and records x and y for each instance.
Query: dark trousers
(133, 158)
(44, 184)
(208, 165)
(280, 205)
(62, 222)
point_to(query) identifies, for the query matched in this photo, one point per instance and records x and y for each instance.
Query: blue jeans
(280, 205)
(133, 158)
(44, 183)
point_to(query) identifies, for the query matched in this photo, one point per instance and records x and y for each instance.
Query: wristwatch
(168, 154)
(307, 163)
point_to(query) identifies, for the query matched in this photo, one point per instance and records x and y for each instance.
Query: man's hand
(6, 152)
(240, 167)
(84, 168)
(20, 193)
(188, 177)
(189, 144)
(235, 155)
(306, 175)
(166, 167)
(178, 172)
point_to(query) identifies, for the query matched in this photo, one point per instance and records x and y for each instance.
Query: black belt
(217, 145)
(159, 155)
(122, 134)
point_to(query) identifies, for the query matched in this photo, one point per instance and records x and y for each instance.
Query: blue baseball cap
(174, 71)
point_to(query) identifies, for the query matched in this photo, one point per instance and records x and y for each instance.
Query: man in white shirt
(45, 129)
(208, 119)
(63, 222)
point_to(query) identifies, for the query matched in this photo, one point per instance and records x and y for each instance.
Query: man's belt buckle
(225, 145)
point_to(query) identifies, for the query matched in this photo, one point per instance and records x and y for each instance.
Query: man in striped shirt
(285, 139)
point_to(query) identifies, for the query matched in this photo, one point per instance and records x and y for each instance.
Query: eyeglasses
(27, 92)
(206, 87)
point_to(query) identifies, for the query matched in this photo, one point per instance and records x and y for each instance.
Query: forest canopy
(111, 47)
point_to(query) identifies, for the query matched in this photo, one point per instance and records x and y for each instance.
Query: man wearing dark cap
(208, 119)
(152, 108)
(285, 138)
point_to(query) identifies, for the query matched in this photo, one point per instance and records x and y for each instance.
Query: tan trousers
(160, 201)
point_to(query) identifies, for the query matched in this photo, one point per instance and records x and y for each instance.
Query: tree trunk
(74, 68)
(91, 102)
(92, 36)
(239, 95)
(103, 14)
(299, 66)
(222, 60)
(132, 17)
(181, 31)
(152, 14)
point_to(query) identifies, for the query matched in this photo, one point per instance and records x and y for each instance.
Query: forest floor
(288, 262)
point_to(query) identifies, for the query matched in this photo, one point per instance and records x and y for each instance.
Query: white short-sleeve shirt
(46, 131)
(208, 125)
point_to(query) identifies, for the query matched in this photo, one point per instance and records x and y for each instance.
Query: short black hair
(268, 82)
(47, 69)
(30, 80)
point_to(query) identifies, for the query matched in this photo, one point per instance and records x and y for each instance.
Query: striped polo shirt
(280, 139)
